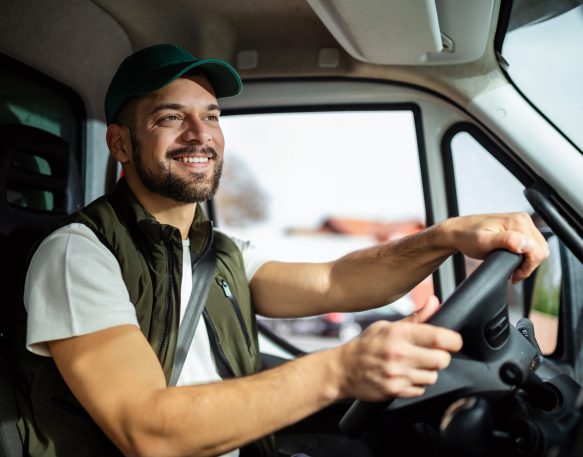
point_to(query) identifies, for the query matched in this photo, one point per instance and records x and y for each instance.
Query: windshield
(543, 48)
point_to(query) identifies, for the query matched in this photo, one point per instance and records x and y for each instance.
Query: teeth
(193, 159)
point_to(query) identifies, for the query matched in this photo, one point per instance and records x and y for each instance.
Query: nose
(197, 132)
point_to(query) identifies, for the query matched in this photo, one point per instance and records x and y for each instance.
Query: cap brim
(224, 79)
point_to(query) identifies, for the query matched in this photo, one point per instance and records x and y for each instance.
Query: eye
(170, 117)
(213, 117)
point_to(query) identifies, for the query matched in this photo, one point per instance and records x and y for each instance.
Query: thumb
(424, 313)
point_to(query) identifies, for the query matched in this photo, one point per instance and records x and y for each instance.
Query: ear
(118, 142)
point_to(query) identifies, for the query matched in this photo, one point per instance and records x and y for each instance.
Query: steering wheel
(478, 309)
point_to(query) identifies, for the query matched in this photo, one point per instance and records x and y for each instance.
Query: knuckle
(436, 340)
(378, 325)
(392, 370)
(393, 329)
(413, 391)
(395, 353)
(443, 360)
(420, 391)
(382, 328)
(440, 338)
(512, 240)
(393, 388)
(432, 378)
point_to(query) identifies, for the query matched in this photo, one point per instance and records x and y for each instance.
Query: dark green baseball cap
(152, 68)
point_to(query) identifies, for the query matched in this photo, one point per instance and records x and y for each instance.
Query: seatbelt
(202, 274)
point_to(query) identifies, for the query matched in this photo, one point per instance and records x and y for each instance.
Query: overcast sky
(546, 63)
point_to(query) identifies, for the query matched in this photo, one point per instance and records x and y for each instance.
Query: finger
(424, 313)
(430, 336)
(541, 241)
(534, 253)
(429, 309)
(401, 387)
(510, 240)
(421, 358)
(412, 391)
(422, 377)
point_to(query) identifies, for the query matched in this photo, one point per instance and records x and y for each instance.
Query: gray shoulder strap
(202, 275)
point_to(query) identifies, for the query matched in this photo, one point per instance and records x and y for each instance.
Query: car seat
(39, 184)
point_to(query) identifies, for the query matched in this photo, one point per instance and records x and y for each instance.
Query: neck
(165, 210)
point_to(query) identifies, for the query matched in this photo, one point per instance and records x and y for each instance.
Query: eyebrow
(178, 106)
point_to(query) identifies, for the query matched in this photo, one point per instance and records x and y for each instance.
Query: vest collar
(200, 233)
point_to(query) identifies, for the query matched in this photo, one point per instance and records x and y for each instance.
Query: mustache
(207, 150)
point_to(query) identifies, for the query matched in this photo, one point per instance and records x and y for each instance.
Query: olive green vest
(52, 422)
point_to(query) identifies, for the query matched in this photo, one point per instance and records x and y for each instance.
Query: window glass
(313, 186)
(483, 185)
(543, 49)
(545, 298)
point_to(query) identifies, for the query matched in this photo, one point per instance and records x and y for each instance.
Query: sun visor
(408, 32)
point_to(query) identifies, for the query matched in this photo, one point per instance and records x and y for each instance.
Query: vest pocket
(227, 291)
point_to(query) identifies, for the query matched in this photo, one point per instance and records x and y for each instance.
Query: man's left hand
(477, 236)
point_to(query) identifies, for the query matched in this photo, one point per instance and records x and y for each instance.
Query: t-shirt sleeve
(73, 287)
(253, 257)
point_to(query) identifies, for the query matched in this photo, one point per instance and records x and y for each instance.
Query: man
(105, 294)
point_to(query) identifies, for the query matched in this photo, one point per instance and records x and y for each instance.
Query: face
(177, 141)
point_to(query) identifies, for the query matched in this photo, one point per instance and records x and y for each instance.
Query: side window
(484, 185)
(314, 186)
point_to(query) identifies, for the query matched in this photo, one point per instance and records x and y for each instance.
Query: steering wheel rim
(480, 295)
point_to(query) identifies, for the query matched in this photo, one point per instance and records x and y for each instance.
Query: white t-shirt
(78, 289)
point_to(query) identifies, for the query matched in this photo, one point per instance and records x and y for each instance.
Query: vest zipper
(227, 291)
(225, 369)
(166, 334)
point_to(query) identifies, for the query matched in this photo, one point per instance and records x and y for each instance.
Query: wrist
(336, 386)
(445, 235)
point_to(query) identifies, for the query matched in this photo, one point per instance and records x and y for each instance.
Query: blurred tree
(240, 199)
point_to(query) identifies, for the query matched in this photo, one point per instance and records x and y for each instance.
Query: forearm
(116, 376)
(381, 274)
(214, 418)
(361, 280)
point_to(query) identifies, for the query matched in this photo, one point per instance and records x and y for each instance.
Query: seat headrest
(39, 178)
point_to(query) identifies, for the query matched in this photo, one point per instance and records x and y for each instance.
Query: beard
(161, 180)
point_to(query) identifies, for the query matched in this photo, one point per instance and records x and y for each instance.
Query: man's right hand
(396, 359)
(116, 376)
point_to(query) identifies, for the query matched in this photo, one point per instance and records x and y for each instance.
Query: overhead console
(405, 32)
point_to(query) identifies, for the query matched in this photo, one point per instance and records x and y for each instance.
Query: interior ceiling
(371, 31)
(287, 35)
(220, 28)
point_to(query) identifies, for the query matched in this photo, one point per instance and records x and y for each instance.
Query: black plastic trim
(503, 22)
(547, 210)
(278, 340)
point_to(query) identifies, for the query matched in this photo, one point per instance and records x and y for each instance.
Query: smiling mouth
(192, 159)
